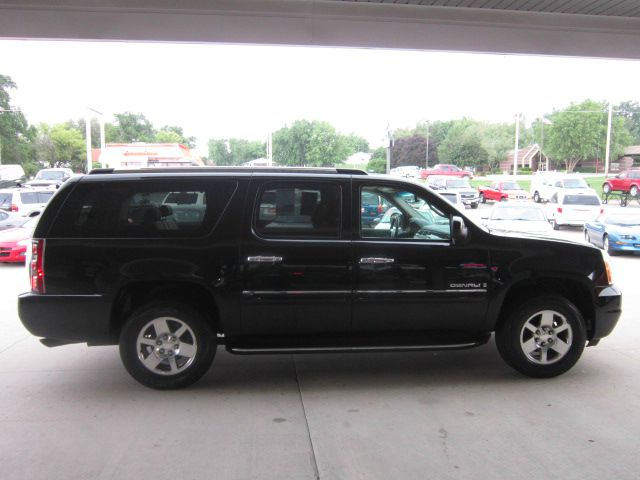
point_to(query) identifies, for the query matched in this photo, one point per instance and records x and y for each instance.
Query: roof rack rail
(341, 171)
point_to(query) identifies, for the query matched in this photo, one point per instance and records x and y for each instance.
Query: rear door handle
(376, 260)
(264, 259)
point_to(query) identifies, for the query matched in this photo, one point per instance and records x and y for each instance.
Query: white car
(27, 202)
(51, 177)
(546, 186)
(469, 195)
(518, 217)
(574, 208)
(405, 171)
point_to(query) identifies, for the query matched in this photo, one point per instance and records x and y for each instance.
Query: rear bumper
(608, 309)
(72, 318)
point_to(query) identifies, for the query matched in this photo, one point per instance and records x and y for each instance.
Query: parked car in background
(499, 191)
(574, 208)
(626, 182)
(51, 177)
(372, 208)
(615, 232)
(452, 197)
(405, 171)
(445, 169)
(544, 186)
(11, 220)
(15, 241)
(469, 195)
(25, 201)
(11, 175)
(521, 217)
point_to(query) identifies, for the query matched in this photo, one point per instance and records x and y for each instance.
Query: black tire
(555, 225)
(474, 206)
(503, 199)
(198, 337)
(536, 197)
(606, 247)
(633, 191)
(482, 198)
(514, 334)
(606, 188)
(586, 237)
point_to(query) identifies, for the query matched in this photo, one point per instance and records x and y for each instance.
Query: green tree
(409, 150)
(462, 145)
(356, 144)
(129, 128)
(630, 111)
(378, 161)
(69, 147)
(579, 132)
(174, 134)
(311, 144)
(15, 135)
(219, 153)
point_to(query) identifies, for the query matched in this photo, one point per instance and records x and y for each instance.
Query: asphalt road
(72, 412)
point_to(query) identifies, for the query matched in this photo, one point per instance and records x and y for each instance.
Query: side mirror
(460, 232)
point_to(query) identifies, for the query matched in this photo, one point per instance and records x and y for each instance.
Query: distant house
(530, 157)
(143, 155)
(630, 157)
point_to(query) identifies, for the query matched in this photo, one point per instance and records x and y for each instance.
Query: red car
(14, 242)
(627, 182)
(499, 191)
(443, 169)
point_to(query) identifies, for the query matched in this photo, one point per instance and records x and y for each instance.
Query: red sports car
(499, 191)
(626, 182)
(14, 242)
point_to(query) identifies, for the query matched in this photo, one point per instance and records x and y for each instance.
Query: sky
(223, 91)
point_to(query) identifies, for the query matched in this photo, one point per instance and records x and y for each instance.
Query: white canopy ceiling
(591, 28)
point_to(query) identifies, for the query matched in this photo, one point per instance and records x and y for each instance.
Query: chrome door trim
(264, 259)
(249, 293)
(376, 260)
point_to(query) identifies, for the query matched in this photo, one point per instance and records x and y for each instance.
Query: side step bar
(257, 349)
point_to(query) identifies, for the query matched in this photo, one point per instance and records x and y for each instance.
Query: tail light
(380, 208)
(606, 278)
(559, 209)
(14, 207)
(36, 265)
(601, 211)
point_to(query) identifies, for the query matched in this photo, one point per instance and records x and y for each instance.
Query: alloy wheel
(546, 337)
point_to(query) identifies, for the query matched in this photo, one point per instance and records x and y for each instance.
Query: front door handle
(264, 259)
(376, 260)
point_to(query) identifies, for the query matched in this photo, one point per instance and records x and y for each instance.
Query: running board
(249, 350)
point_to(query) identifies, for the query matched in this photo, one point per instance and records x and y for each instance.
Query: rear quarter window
(5, 200)
(143, 209)
(581, 200)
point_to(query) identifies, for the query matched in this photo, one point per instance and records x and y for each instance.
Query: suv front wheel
(167, 345)
(542, 338)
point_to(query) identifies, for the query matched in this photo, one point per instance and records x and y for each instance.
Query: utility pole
(427, 154)
(515, 151)
(608, 150)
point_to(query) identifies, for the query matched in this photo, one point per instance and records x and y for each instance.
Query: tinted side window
(298, 210)
(5, 200)
(143, 209)
(44, 197)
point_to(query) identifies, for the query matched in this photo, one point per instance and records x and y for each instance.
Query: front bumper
(12, 254)
(608, 308)
(70, 318)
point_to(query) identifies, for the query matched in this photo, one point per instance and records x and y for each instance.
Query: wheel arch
(570, 289)
(134, 295)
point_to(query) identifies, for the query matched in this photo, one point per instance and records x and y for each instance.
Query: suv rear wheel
(542, 338)
(167, 345)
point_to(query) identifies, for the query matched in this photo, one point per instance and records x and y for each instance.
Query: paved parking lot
(74, 413)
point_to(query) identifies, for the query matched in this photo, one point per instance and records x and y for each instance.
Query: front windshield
(49, 175)
(523, 213)
(511, 186)
(624, 220)
(574, 183)
(457, 183)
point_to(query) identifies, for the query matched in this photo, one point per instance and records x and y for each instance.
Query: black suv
(171, 263)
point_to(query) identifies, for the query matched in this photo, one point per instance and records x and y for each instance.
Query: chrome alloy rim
(546, 337)
(166, 346)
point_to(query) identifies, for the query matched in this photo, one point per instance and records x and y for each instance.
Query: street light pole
(515, 151)
(608, 149)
